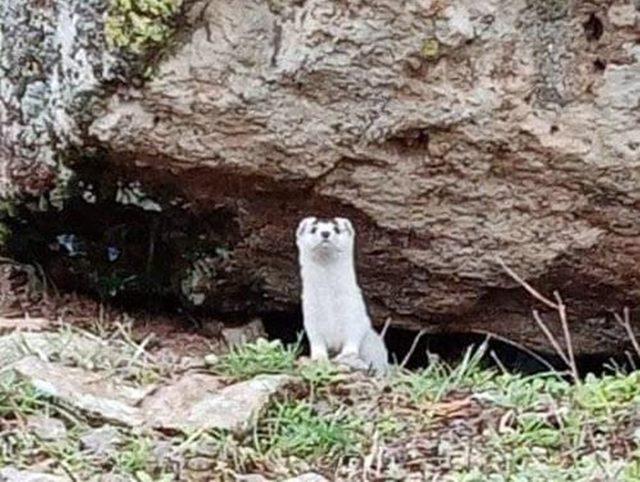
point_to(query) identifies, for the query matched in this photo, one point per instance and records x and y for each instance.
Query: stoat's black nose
(325, 234)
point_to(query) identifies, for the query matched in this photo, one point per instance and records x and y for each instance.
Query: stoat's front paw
(351, 360)
(306, 361)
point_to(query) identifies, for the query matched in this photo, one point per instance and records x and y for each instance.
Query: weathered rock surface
(196, 401)
(53, 65)
(47, 428)
(23, 324)
(451, 132)
(306, 477)
(72, 347)
(10, 474)
(101, 441)
(92, 393)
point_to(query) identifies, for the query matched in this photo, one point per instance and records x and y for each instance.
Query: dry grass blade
(566, 354)
(387, 324)
(562, 312)
(517, 345)
(532, 291)
(552, 339)
(413, 347)
(625, 322)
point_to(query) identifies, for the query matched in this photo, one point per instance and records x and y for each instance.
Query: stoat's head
(325, 240)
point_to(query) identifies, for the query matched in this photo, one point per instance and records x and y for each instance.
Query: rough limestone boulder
(452, 133)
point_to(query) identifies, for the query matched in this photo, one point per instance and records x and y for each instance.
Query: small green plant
(605, 395)
(263, 356)
(438, 379)
(295, 429)
(135, 456)
(138, 25)
(318, 375)
(632, 470)
(20, 399)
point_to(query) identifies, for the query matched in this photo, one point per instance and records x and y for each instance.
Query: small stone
(23, 324)
(211, 359)
(308, 477)
(162, 451)
(247, 333)
(47, 428)
(199, 464)
(101, 441)
(113, 478)
(11, 474)
(212, 328)
(251, 478)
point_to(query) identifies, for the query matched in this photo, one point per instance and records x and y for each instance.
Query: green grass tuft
(295, 429)
(246, 361)
(439, 379)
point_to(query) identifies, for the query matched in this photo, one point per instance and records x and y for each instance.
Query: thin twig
(496, 359)
(566, 354)
(562, 312)
(413, 347)
(552, 339)
(387, 323)
(532, 291)
(517, 345)
(625, 322)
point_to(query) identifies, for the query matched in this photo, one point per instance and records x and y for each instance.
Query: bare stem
(625, 322)
(565, 354)
(414, 345)
(532, 291)
(517, 345)
(552, 339)
(562, 312)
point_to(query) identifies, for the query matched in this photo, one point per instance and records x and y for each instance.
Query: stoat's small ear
(304, 224)
(344, 223)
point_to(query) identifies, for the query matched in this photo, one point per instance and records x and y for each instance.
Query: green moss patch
(139, 25)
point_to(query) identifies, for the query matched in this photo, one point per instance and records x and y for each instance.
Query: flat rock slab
(198, 401)
(195, 401)
(47, 428)
(10, 474)
(23, 324)
(306, 477)
(90, 392)
(101, 441)
(82, 349)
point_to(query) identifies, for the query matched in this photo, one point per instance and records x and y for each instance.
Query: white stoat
(333, 308)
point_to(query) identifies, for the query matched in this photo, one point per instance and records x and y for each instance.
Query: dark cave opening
(450, 348)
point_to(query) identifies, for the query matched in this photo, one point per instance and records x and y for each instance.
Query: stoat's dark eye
(313, 230)
(336, 230)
